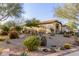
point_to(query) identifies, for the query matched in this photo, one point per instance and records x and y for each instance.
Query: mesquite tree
(10, 10)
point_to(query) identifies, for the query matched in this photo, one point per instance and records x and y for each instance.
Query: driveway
(59, 40)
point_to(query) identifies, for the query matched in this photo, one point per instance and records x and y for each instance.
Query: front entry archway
(58, 28)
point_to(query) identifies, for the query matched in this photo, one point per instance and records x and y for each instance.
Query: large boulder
(43, 41)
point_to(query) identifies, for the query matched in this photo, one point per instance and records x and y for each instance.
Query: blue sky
(41, 11)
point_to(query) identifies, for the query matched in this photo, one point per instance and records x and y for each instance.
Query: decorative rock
(8, 42)
(15, 54)
(43, 41)
(53, 50)
(23, 54)
(53, 46)
(45, 50)
(62, 48)
(5, 52)
(21, 36)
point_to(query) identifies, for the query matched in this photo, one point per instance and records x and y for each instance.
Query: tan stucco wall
(52, 25)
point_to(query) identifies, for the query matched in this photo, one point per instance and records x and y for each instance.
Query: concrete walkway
(73, 54)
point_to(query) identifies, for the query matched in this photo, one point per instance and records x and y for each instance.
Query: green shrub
(13, 35)
(32, 43)
(5, 28)
(66, 34)
(67, 46)
(18, 28)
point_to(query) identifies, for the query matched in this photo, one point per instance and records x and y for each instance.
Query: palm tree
(10, 10)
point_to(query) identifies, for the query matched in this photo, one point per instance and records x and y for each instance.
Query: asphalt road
(73, 54)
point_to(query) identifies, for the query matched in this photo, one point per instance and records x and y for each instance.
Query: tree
(32, 23)
(10, 23)
(6, 26)
(68, 11)
(71, 26)
(28, 23)
(10, 10)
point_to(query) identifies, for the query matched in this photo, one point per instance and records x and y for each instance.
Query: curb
(64, 52)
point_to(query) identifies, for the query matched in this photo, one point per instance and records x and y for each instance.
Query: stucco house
(65, 28)
(45, 26)
(52, 24)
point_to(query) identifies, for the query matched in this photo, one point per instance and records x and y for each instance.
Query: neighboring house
(52, 24)
(65, 28)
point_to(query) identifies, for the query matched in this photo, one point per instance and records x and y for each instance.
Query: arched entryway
(58, 28)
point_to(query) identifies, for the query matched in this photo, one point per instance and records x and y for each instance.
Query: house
(45, 26)
(52, 24)
(65, 28)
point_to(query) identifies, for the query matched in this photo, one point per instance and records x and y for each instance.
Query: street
(73, 54)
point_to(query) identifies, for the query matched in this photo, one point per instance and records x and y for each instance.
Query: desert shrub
(52, 30)
(71, 33)
(13, 35)
(18, 28)
(2, 32)
(32, 43)
(67, 46)
(66, 34)
(5, 28)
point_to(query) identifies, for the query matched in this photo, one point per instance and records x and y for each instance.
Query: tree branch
(4, 17)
